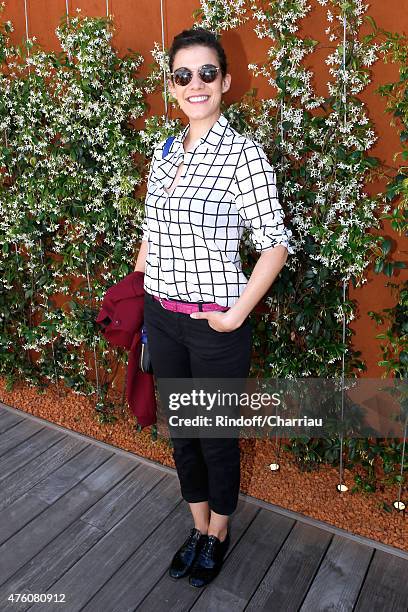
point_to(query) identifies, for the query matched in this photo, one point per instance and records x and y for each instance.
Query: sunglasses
(207, 73)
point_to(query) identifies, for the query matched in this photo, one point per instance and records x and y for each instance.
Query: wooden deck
(83, 520)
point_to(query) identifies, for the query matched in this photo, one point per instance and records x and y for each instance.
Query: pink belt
(187, 307)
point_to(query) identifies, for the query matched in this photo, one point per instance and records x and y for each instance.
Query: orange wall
(138, 26)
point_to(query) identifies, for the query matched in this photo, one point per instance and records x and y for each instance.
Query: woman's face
(193, 58)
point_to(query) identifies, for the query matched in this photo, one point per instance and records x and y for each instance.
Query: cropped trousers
(182, 347)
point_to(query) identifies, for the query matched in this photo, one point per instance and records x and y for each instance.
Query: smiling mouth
(197, 99)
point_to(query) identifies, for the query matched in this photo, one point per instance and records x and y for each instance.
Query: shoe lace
(191, 540)
(207, 548)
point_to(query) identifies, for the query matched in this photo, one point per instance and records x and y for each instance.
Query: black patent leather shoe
(209, 560)
(187, 553)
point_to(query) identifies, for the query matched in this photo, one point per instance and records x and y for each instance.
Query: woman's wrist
(263, 275)
(235, 317)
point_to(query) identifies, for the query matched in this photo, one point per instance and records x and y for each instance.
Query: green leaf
(388, 268)
(378, 266)
(371, 21)
(386, 246)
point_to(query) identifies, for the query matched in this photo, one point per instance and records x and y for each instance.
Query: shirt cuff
(263, 241)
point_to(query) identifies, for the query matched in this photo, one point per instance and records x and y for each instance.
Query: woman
(213, 183)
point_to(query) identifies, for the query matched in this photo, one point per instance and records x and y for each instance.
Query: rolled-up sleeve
(256, 198)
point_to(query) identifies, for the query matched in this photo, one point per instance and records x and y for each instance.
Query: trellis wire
(402, 463)
(67, 12)
(164, 66)
(343, 367)
(278, 441)
(26, 23)
(93, 341)
(118, 221)
(343, 358)
(52, 333)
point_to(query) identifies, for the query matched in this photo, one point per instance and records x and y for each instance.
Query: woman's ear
(226, 83)
(171, 93)
(170, 87)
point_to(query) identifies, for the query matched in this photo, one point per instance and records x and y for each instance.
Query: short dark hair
(198, 36)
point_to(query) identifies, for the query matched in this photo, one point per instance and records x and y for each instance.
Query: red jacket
(121, 319)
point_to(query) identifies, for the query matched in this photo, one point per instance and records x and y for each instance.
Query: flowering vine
(72, 165)
(319, 147)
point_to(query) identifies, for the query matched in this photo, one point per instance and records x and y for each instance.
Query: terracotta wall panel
(138, 25)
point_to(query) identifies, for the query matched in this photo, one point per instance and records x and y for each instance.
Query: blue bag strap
(167, 145)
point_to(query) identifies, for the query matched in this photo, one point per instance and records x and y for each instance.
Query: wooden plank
(149, 565)
(340, 576)
(256, 536)
(16, 435)
(95, 568)
(47, 491)
(26, 452)
(292, 571)
(25, 544)
(61, 554)
(136, 577)
(105, 534)
(342, 533)
(123, 498)
(385, 586)
(248, 564)
(21, 481)
(8, 419)
(38, 575)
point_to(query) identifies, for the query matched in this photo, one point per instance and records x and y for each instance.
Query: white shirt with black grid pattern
(194, 232)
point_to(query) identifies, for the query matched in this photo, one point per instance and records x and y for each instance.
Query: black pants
(182, 347)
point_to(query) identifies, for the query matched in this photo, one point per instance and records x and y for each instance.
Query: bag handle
(167, 145)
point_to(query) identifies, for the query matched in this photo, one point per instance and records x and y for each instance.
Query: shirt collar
(208, 141)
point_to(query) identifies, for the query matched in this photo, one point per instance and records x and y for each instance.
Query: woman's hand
(264, 273)
(220, 321)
